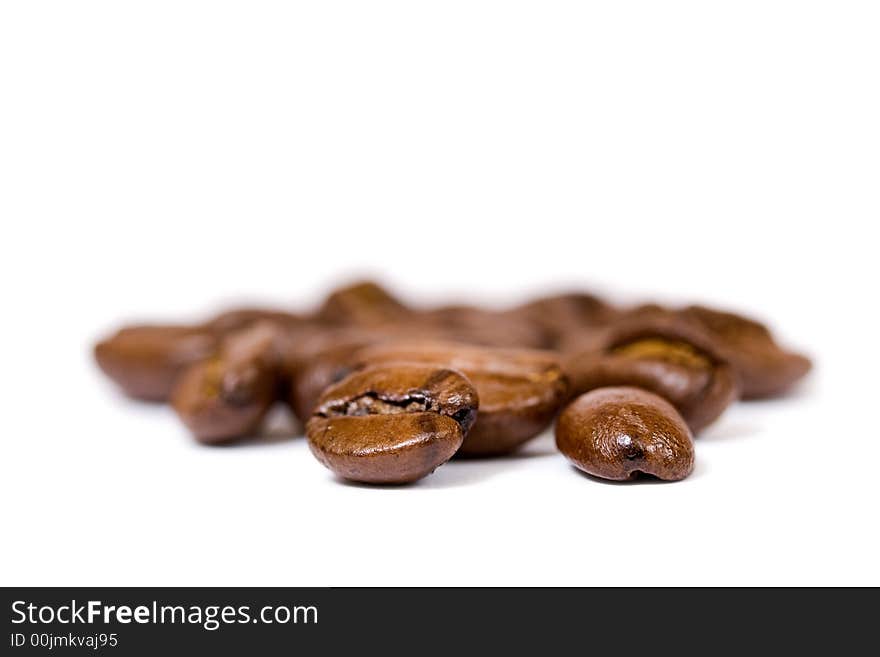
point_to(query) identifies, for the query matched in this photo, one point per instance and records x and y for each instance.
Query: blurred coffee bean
(239, 318)
(362, 304)
(664, 354)
(765, 369)
(563, 316)
(226, 396)
(520, 390)
(470, 325)
(146, 360)
(320, 355)
(313, 361)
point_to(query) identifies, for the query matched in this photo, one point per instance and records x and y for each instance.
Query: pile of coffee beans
(387, 391)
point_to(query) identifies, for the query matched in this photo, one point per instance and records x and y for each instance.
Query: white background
(158, 159)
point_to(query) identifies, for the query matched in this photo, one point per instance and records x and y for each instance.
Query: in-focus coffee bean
(392, 423)
(619, 433)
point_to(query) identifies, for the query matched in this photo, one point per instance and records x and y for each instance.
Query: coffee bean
(146, 360)
(564, 317)
(618, 433)
(321, 355)
(520, 390)
(392, 423)
(667, 355)
(239, 318)
(226, 396)
(470, 325)
(314, 361)
(362, 304)
(764, 368)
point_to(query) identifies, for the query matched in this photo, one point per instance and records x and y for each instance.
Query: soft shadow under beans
(724, 431)
(460, 472)
(259, 440)
(448, 476)
(519, 455)
(463, 472)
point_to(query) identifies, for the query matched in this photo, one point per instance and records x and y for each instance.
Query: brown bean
(392, 423)
(564, 317)
(146, 360)
(479, 326)
(313, 360)
(239, 318)
(318, 356)
(618, 433)
(227, 396)
(764, 368)
(362, 304)
(520, 390)
(664, 354)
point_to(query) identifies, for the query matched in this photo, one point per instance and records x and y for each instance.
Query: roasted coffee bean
(565, 317)
(226, 396)
(764, 368)
(362, 304)
(618, 433)
(313, 362)
(392, 423)
(520, 390)
(470, 325)
(318, 356)
(664, 354)
(577, 342)
(146, 360)
(239, 318)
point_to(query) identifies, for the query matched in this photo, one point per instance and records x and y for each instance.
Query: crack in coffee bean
(372, 404)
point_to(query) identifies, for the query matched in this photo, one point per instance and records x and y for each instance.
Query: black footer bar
(151, 621)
